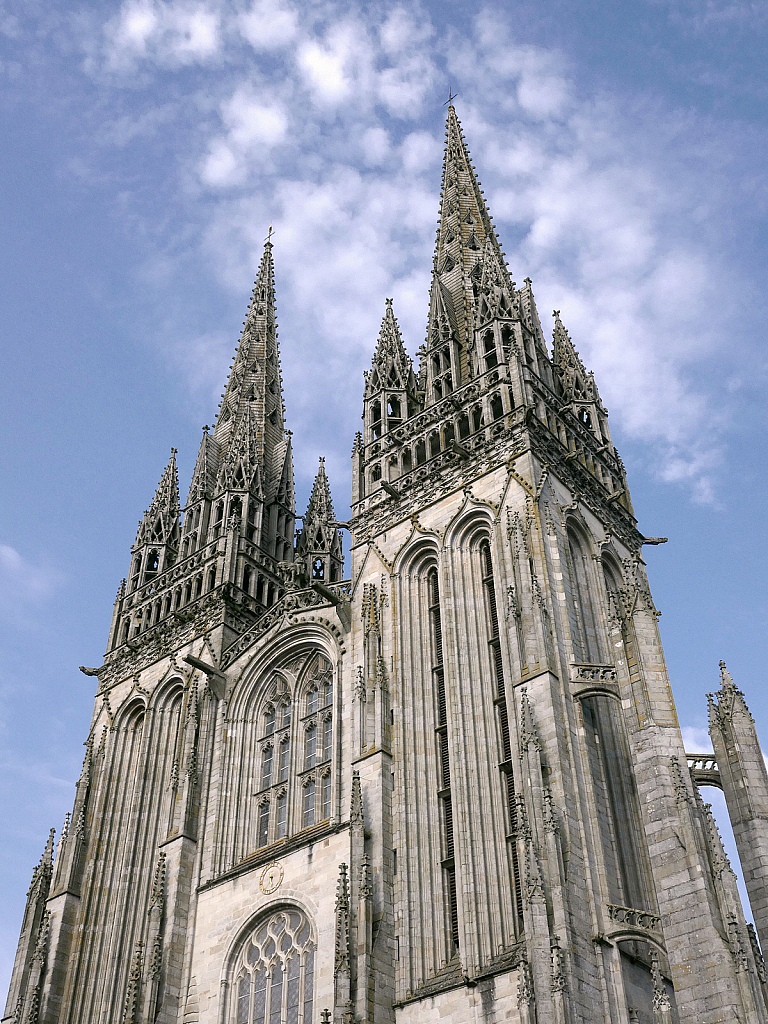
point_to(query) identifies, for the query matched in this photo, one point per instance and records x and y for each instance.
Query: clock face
(271, 877)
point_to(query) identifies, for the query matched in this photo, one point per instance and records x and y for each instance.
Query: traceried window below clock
(274, 979)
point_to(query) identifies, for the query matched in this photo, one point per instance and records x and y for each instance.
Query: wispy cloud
(321, 120)
(24, 583)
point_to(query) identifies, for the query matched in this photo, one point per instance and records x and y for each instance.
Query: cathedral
(439, 779)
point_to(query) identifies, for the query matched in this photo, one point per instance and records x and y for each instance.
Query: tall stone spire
(467, 260)
(249, 432)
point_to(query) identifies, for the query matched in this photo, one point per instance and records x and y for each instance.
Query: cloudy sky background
(148, 145)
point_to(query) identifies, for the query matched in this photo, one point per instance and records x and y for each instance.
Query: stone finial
(157, 896)
(525, 992)
(133, 992)
(558, 968)
(366, 892)
(356, 816)
(341, 960)
(528, 734)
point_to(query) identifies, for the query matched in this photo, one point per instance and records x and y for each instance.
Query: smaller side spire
(318, 544)
(390, 394)
(576, 384)
(157, 539)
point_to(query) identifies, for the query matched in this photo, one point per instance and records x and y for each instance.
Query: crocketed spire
(249, 435)
(468, 263)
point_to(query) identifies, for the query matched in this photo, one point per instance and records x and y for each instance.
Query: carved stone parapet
(629, 919)
(594, 680)
(704, 770)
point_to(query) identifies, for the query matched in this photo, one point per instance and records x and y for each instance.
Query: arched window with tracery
(275, 972)
(317, 724)
(294, 735)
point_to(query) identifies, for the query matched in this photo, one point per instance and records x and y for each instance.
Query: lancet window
(500, 702)
(443, 757)
(583, 621)
(275, 972)
(317, 726)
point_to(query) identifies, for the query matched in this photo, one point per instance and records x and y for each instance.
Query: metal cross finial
(556, 312)
(451, 97)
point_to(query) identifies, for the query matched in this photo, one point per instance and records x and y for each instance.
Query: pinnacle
(390, 343)
(320, 502)
(166, 499)
(725, 678)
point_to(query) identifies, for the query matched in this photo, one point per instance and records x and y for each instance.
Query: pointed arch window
(295, 754)
(266, 767)
(308, 810)
(285, 760)
(310, 747)
(583, 621)
(443, 756)
(274, 972)
(263, 834)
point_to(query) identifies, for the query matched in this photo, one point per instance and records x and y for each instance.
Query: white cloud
(335, 141)
(171, 33)
(696, 740)
(269, 25)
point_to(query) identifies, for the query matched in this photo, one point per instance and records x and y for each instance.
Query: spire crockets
(390, 385)
(470, 282)
(249, 430)
(318, 544)
(157, 539)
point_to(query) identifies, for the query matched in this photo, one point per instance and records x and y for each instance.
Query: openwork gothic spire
(468, 263)
(318, 544)
(249, 432)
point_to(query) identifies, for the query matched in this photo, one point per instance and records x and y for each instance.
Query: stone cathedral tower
(449, 785)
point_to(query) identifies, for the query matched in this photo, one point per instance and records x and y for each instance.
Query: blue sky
(148, 145)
